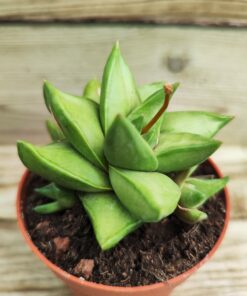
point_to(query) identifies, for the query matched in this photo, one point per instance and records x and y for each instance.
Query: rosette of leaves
(114, 148)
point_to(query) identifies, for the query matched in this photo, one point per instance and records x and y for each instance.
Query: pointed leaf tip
(175, 86)
(48, 90)
(47, 85)
(49, 208)
(119, 94)
(92, 90)
(196, 191)
(190, 216)
(117, 45)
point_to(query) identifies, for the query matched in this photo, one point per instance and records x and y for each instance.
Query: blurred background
(202, 44)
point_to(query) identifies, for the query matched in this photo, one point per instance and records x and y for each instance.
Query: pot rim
(63, 274)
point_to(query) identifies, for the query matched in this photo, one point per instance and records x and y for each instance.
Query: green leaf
(149, 108)
(146, 111)
(79, 120)
(111, 221)
(195, 191)
(60, 163)
(182, 176)
(65, 199)
(49, 208)
(180, 151)
(203, 123)
(190, 216)
(54, 131)
(149, 89)
(152, 136)
(125, 147)
(118, 93)
(53, 191)
(149, 196)
(92, 90)
(138, 123)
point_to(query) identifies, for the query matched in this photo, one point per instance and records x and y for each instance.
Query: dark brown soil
(153, 253)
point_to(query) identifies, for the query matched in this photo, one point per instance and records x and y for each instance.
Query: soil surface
(153, 253)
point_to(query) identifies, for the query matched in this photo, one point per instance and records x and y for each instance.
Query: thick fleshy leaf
(190, 216)
(54, 131)
(79, 120)
(118, 93)
(148, 196)
(146, 90)
(149, 89)
(138, 123)
(63, 199)
(49, 208)
(125, 147)
(111, 221)
(92, 90)
(146, 111)
(196, 191)
(203, 123)
(149, 108)
(60, 163)
(180, 151)
(152, 136)
(182, 176)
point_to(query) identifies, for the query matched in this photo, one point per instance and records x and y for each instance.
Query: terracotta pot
(85, 288)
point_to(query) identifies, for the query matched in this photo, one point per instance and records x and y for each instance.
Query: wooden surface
(211, 63)
(157, 11)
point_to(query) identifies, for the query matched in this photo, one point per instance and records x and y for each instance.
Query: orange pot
(85, 288)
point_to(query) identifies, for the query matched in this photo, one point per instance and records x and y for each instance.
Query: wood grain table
(54, 40)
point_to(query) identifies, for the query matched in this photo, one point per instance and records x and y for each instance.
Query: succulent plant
(114, 148)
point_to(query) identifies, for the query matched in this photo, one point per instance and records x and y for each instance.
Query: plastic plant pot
(86, 288)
